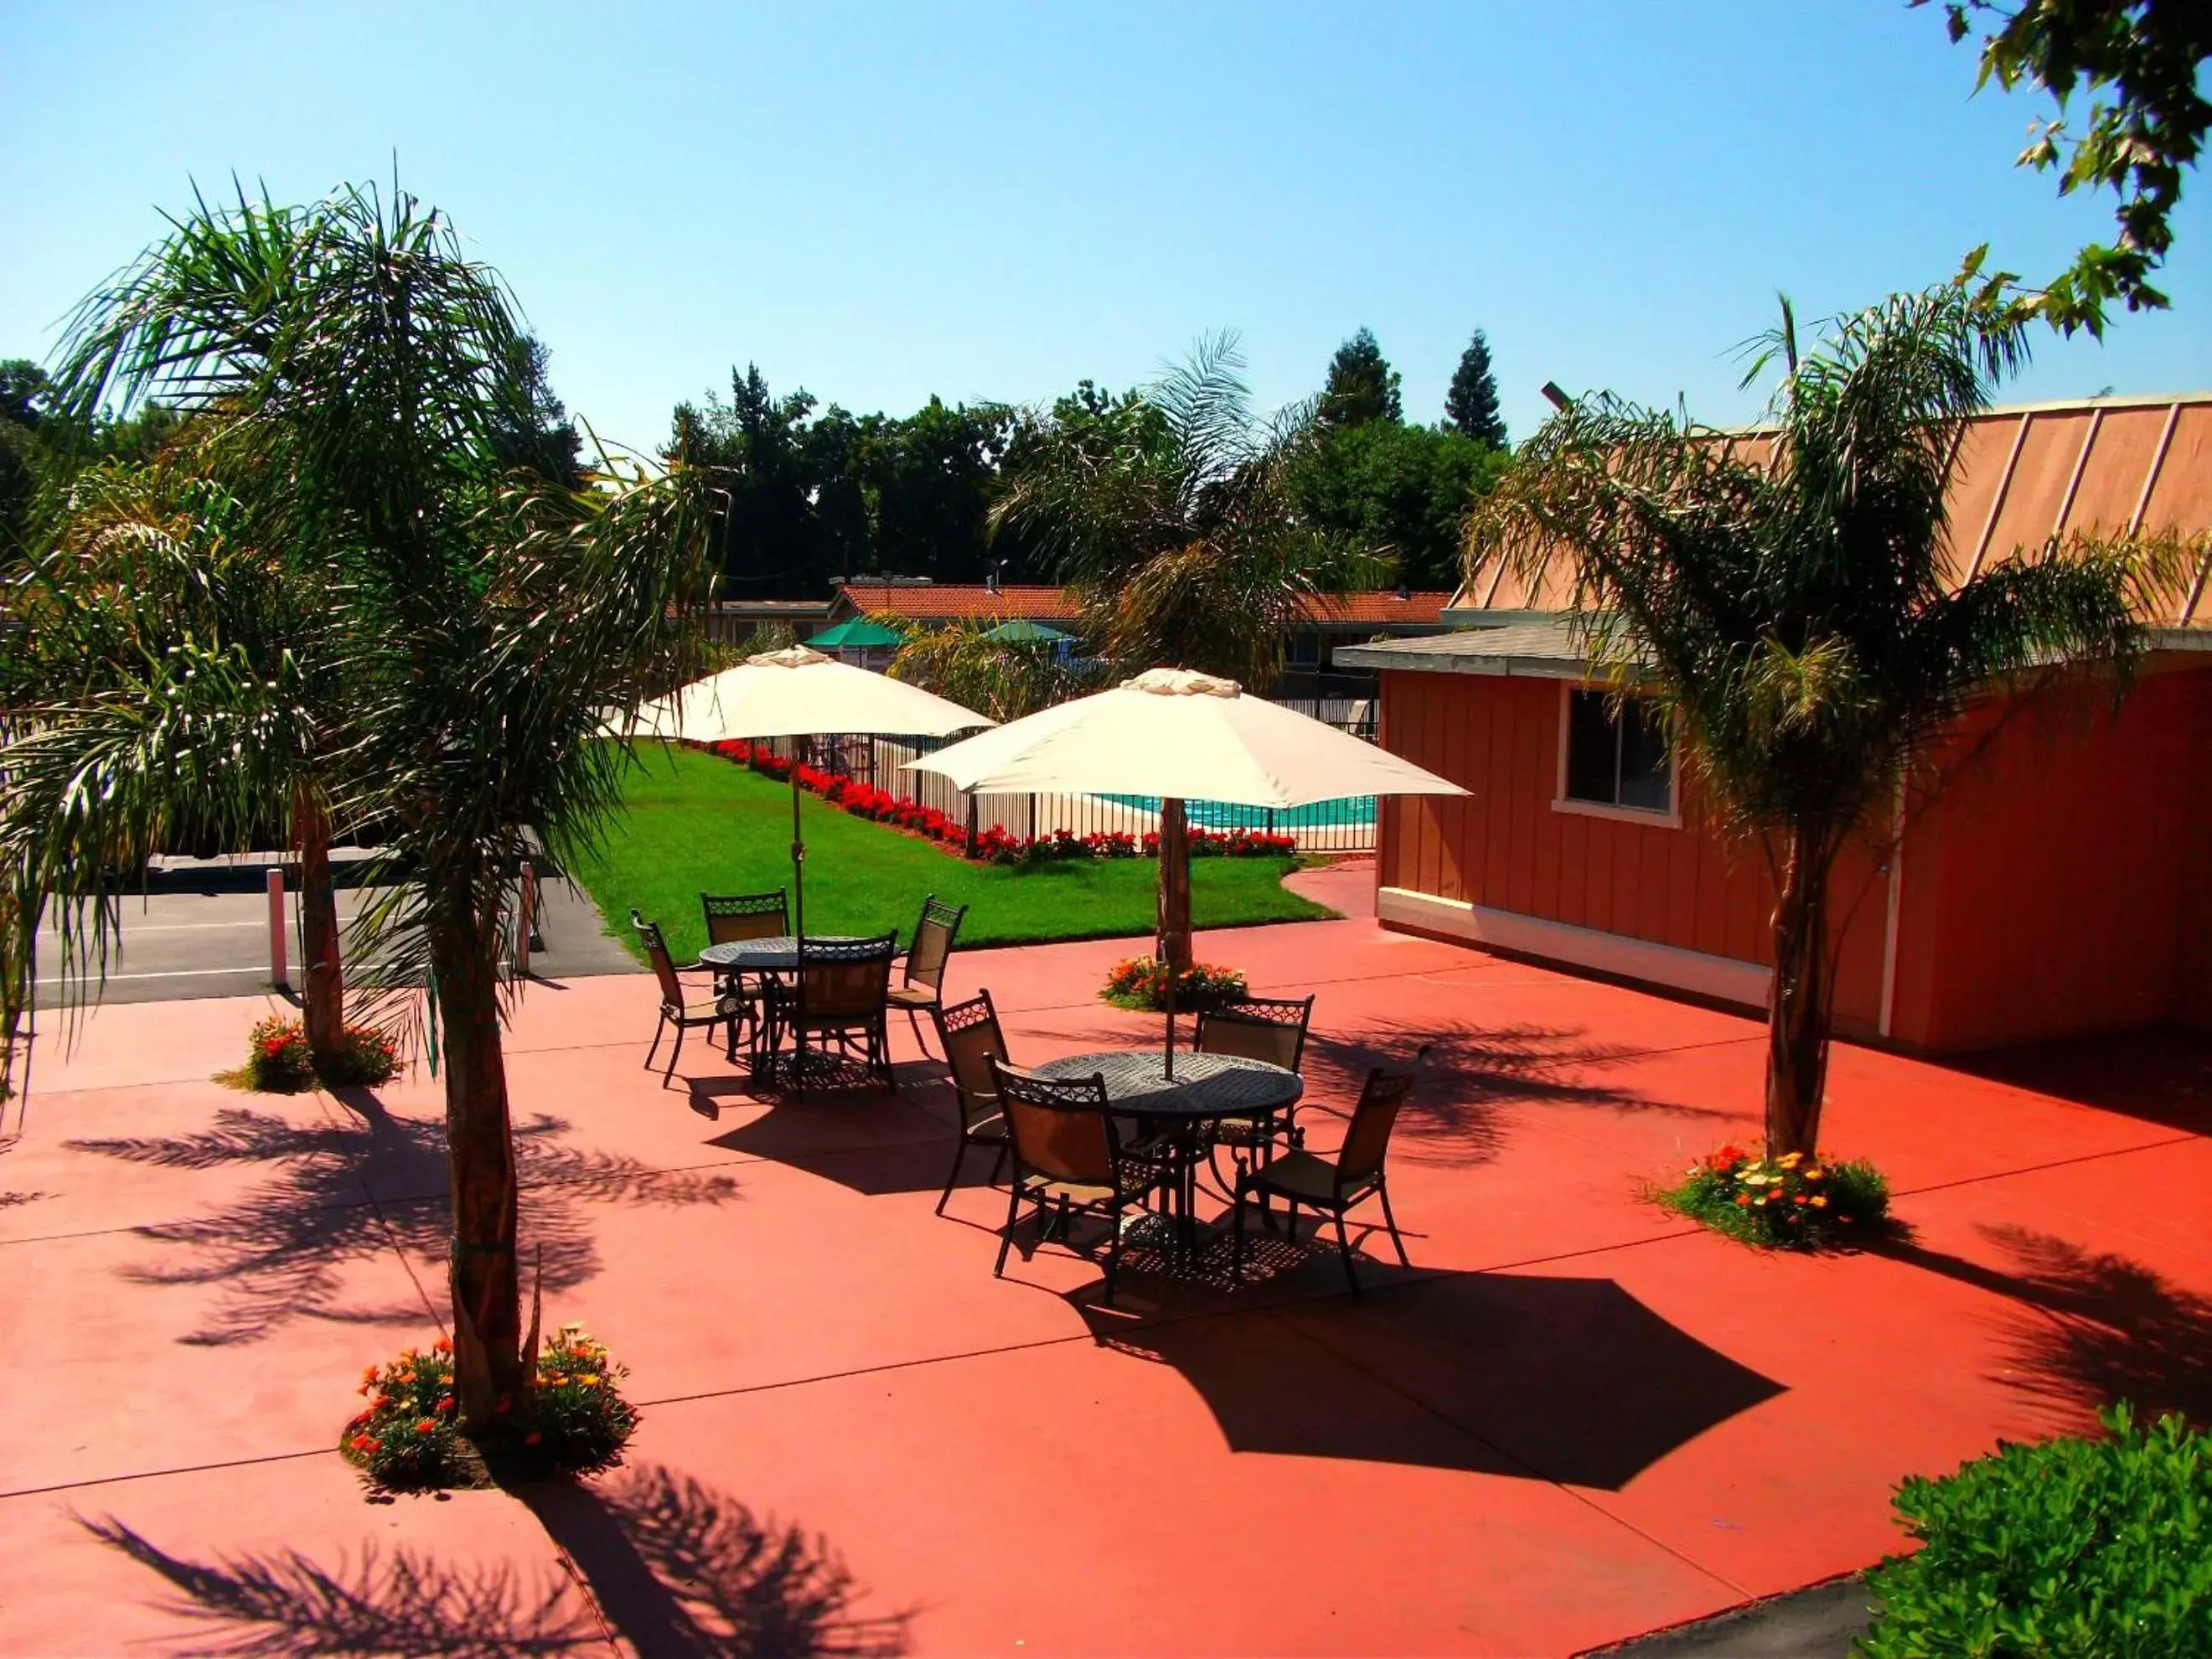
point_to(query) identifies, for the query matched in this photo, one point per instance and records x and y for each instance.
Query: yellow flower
(1790, 1160)
(1815, 1173)
(589, 1379)
(1819, 1200)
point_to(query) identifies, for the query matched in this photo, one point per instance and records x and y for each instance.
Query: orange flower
(369, 1375)
(364, 1444)
(1741, 1200)
(1799, 1198)
(1820, 1200)
(443, 1345)
(427, 1425)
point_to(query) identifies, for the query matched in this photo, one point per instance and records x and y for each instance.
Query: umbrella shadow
(2090, 1327)
(1568, 1380)
(661, 1561)
(282, 1250)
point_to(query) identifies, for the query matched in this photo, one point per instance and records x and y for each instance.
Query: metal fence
(1344, 826)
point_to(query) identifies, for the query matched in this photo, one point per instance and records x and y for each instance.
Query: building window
(1617, 756)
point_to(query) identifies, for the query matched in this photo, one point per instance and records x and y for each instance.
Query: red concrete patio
(1574, 1419)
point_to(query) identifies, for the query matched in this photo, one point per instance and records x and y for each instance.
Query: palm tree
(1171, 518)
(1784, 598)
(489, 619)
(179, 669)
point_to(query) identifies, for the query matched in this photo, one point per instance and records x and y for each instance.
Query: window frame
(1650, 817)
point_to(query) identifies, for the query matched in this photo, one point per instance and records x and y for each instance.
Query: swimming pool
(1353, 810)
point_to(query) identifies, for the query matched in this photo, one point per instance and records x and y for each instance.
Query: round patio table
(1204, 1089)
(776, 954)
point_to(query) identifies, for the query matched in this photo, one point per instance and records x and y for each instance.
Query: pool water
(1220, 815)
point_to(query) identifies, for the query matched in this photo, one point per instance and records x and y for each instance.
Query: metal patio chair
(839, 995)
(1333, 1187)
(732, 918)
(969, 1032)
(1068, 1160)
(1270, 1029)
(676, 1007)
(922, 982)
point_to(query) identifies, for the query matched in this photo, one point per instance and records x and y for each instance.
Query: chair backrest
(656, 953)
(969, 1032)
(732, 917)
(845, 978)
(1272, 1029)
(933, 943)
(1367, 1141)
(1059, 1126)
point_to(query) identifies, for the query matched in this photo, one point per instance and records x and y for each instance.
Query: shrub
(573, 1419)
(1790, 1202)
(996, 845)
(277, 1060)
(2074, 1546)
(1141, 983)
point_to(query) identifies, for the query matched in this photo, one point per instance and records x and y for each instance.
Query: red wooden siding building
(2059, 881)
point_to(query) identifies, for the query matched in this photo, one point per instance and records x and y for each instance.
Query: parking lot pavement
(201, 930)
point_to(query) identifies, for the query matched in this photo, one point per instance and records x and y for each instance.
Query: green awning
(1023, 631)
(856, 635)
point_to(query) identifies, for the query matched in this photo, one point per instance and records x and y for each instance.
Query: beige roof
(2023, 474)
(1174, 733)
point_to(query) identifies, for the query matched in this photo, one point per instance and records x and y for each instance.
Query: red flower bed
(994, 845)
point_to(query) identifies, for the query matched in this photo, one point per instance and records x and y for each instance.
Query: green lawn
(703, 825)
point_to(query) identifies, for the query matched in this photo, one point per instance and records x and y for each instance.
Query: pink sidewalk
(1574, 1419)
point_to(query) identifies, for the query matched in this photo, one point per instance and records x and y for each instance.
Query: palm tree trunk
(1174, 942)
(322, 994)
(480, 1151)
(1797, 1019)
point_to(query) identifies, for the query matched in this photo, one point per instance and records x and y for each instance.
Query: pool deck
(1574, 1419)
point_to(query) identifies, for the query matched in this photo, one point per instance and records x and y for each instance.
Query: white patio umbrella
(1180, 736)
(798, 693)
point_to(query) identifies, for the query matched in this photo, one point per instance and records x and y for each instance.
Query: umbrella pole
(798, 853)
(1174, 946)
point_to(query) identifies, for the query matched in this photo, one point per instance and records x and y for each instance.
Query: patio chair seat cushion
(1301, 1176)
(720, 1008)
(1135, 1183)
(913, 996)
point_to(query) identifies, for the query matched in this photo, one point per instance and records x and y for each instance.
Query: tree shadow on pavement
(282, 1249)
(1455, 1115)
(661, 1561)
(2092, 1327)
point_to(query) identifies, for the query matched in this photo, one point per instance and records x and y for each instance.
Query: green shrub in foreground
(1790, 1202)
(2073, 1547)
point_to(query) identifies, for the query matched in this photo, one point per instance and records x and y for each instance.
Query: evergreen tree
(1471, 405)
(1361, 385)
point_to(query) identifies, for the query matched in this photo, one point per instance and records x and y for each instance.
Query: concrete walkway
(1576, 1419)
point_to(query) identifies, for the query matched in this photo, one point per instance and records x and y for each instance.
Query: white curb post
(276, 928)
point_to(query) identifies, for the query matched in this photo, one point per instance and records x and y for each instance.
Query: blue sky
(994, 201)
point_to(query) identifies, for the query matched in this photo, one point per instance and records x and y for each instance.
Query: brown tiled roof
(1379, 608)
(947, 601)
(2023, 475)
